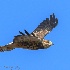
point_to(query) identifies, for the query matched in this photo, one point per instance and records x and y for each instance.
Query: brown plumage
(35, 40)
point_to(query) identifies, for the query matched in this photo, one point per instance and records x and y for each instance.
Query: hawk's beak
(52, 44)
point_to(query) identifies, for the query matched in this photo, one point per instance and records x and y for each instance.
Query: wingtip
(21, 33)
(53, 14)
(26, 32)
(53, 20)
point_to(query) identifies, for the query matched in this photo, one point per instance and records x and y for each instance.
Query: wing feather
(45, 27)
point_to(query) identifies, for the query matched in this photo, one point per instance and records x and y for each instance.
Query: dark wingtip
(53, 14)
(53, 20)
(33, 34)
(21, 33)
(56, 20)
(26, 32)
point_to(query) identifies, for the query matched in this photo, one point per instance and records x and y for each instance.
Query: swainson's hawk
(34, 40)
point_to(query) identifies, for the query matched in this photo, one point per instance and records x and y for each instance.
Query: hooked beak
(52, 44)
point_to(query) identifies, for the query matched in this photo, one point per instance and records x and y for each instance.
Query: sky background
(17, 15)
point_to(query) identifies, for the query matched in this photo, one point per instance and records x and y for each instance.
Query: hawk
(34, 40)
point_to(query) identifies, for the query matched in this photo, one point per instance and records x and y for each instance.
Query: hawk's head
(47, 43)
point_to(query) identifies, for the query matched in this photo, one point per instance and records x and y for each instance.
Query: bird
(34, 40)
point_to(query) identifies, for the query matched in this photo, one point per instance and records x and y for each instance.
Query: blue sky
(17, 15)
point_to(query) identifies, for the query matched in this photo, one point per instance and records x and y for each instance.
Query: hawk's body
(35, 40)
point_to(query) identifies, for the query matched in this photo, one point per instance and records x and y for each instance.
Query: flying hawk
(34, 40)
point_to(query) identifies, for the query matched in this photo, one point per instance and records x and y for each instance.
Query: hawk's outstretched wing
(33, 40)
(45, 27)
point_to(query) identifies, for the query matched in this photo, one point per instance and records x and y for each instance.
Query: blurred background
(17, 15)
